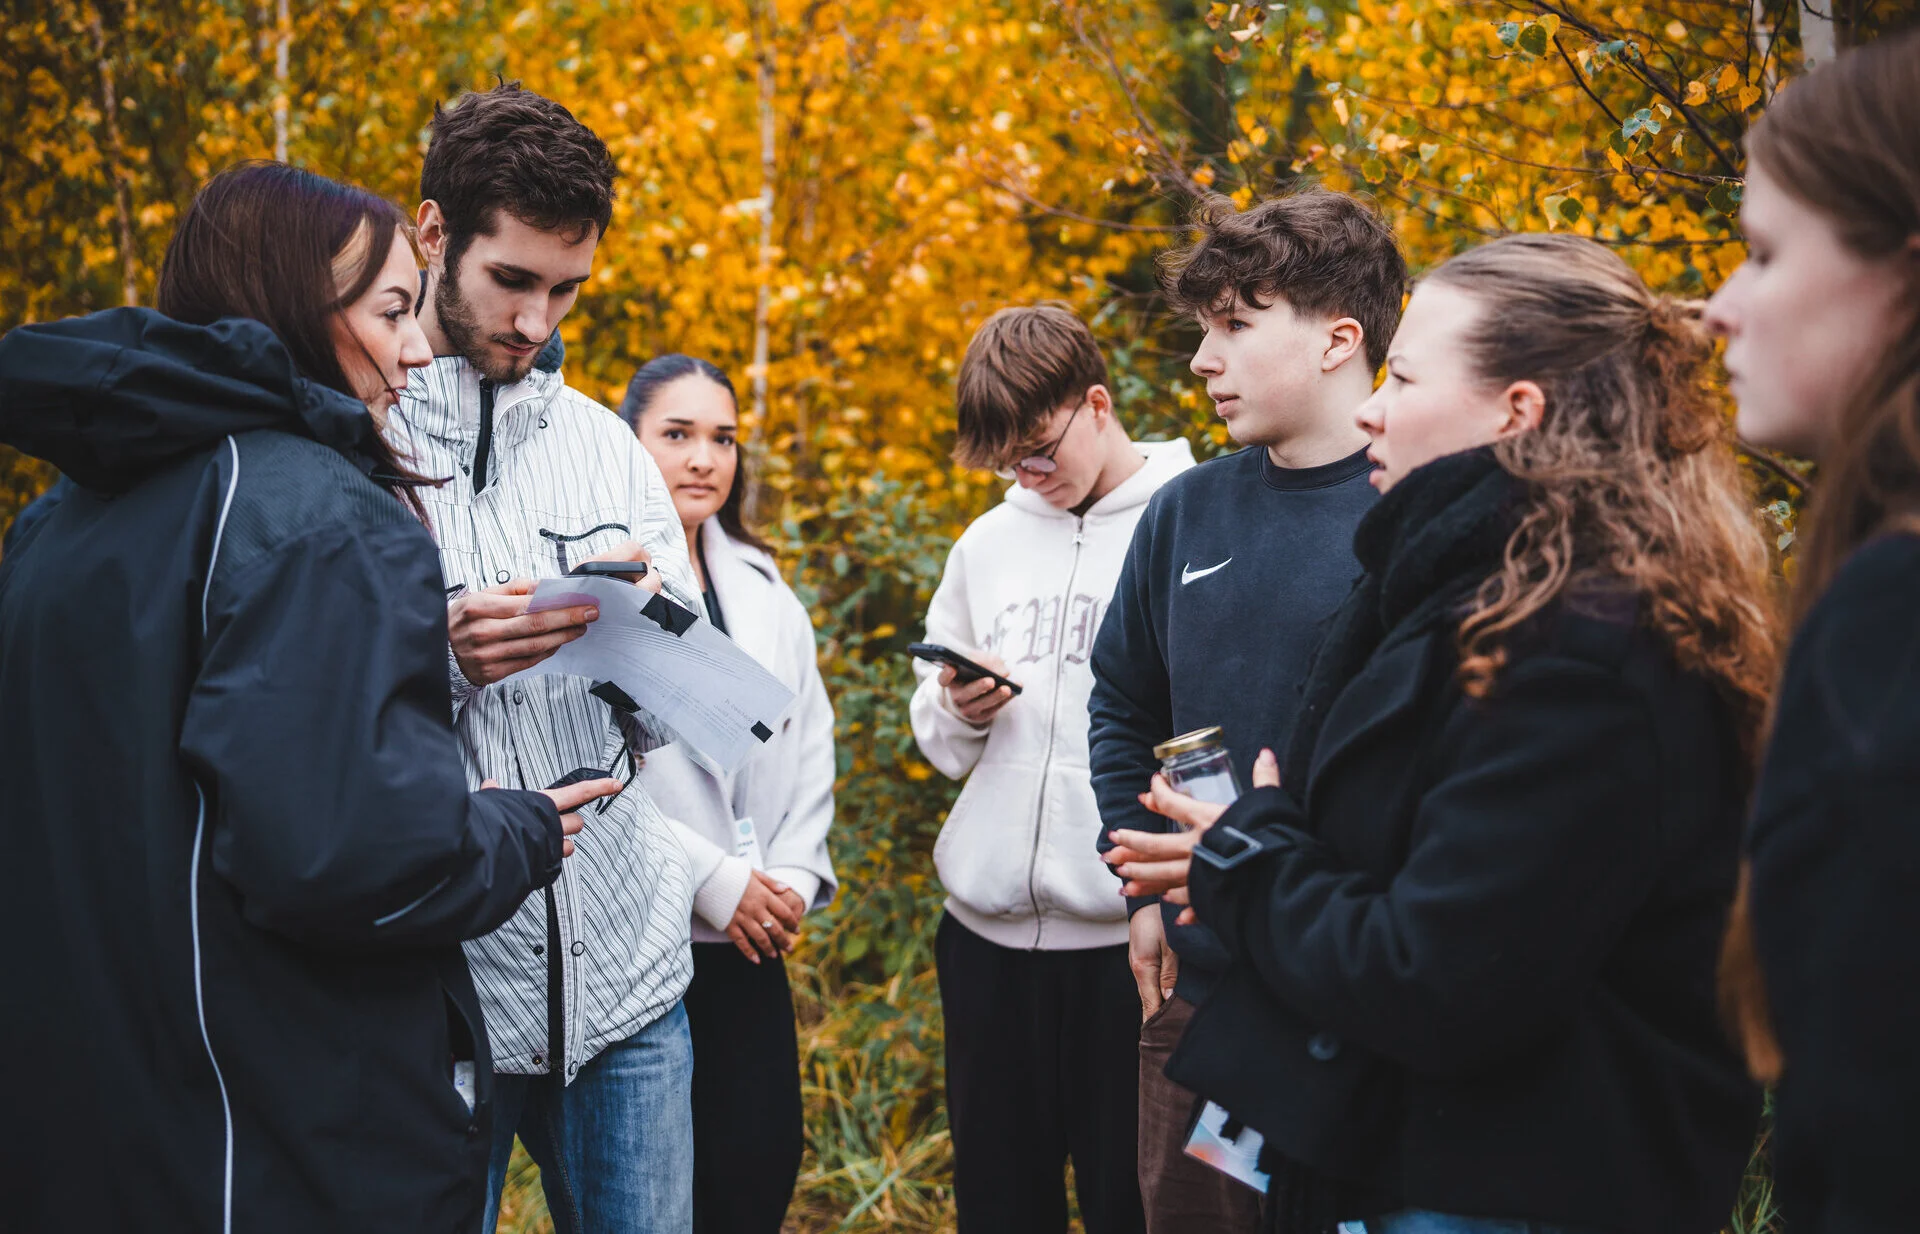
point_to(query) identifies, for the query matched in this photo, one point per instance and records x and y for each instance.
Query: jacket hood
(112, 397)
(1165, 460)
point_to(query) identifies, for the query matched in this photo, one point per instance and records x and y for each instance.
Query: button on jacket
(564, 480)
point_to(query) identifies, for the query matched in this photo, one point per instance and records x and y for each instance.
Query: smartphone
(966, 669)
(579, 776)
(611, 569)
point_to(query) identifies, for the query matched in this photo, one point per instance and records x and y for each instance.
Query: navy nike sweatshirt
(1233, 571)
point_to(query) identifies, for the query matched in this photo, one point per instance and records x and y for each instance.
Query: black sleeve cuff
(553, 852)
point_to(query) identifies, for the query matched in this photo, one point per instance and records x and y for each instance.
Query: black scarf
(1426, 548)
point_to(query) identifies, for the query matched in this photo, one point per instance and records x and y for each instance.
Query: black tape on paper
(761, 731)
(613, 696)
(668, 615)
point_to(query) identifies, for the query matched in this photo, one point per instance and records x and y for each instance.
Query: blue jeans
(1420, 1221)
(615, 1147)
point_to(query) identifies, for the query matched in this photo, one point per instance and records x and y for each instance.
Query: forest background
(825, 197)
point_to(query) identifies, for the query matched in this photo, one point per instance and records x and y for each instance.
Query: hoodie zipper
(483, 448)
(1053, 722)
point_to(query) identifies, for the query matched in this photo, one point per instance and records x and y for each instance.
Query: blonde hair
(1630, 474)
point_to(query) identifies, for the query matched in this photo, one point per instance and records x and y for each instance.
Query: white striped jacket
(566, 479)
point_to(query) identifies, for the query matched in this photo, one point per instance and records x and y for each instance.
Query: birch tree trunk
(116, 157)
(282, 44)
(763, 28)
(1817, 42)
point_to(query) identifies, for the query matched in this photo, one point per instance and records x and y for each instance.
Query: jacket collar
(744, 578)
(1425, 546)
(442, 401)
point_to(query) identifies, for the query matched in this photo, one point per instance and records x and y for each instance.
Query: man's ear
(1346, 338)
(1525, 404)
(1100, 400)
(430, 229)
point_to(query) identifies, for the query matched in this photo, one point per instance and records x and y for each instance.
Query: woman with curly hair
(1823, 342)
(1475, 912)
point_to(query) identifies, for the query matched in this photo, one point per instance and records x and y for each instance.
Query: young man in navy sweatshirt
(1233, 569)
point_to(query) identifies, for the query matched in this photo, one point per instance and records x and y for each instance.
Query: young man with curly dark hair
(1297, 299)
(592, 1059)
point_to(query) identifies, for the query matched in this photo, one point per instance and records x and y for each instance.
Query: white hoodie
(1030, 583)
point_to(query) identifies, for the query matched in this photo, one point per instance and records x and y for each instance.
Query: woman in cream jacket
(757, 839)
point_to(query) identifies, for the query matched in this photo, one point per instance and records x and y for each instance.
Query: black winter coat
(1475, 941)
(1835, 845)
(241, 848)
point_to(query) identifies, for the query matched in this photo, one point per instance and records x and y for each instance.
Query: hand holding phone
(628, 559)
(976, 687)
(630, 570)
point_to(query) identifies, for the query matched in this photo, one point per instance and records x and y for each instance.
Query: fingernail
(593, 614)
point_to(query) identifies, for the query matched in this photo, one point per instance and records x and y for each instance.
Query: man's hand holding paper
(494, 636)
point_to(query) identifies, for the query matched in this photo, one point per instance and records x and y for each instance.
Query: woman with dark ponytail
(757, 839)
(1823, 344)
(240, 839)
(1475, 914)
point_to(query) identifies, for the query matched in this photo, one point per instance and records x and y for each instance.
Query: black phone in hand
(611, 569)
(964, 669)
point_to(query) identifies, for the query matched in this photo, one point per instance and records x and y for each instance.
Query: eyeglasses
(1040, 464)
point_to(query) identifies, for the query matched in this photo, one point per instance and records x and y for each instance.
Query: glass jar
(1198, 765)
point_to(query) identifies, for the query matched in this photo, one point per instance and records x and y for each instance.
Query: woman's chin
(694, 511)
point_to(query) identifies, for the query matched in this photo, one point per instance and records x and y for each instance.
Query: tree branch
(1770, 463)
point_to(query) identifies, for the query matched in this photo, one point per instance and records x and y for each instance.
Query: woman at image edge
(1823, 347)
(1475, 934)
(243, 845)
(757, 840)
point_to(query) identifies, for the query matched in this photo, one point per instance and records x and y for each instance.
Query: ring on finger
(767, 924)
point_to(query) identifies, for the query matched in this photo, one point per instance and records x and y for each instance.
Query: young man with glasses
(1041, 1016)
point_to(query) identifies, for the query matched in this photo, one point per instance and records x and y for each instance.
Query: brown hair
(646, 387)
(1631, 472)
(1842, 140)
(277, 244)
(1322, 252)
(514, 150)
(1023, 363)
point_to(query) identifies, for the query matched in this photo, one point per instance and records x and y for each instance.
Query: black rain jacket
(1475, 940)
(242, 850)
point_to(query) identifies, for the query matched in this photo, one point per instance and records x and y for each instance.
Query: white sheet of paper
(1238, 1158)
(715, 697)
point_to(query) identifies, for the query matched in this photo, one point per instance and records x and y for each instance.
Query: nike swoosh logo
(1188, 574)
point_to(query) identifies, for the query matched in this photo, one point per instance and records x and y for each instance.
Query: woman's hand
(767, 920)
(1157, 863)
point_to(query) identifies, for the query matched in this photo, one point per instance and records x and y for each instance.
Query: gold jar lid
(1187, 743)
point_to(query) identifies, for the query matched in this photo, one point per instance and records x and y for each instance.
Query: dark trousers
(747, 1133)
(1182, 1195)
(1042, 1067)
